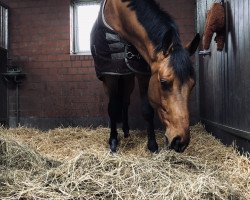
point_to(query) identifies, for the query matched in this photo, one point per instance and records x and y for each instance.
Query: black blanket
(112, 54)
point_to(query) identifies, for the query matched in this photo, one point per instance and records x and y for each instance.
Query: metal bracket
(205, 53)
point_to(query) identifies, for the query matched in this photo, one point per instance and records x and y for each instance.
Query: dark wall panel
(224, 76)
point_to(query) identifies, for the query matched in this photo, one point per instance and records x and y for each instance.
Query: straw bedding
(75, 163)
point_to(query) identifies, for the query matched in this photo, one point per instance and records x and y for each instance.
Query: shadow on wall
(230, 29)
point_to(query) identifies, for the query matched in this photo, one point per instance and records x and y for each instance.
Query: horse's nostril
(177, 145)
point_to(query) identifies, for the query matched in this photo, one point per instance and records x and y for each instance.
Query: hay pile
(75, 163)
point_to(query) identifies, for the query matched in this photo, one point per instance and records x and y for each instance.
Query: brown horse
(165, 89)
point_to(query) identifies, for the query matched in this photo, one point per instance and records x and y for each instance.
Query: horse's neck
(124, 21)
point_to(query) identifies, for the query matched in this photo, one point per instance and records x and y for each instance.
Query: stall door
(3, 63)
(224, 77)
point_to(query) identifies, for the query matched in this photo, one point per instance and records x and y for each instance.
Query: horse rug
(113, 55)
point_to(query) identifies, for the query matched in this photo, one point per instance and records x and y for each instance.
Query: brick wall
(61, 88)
(183, 11)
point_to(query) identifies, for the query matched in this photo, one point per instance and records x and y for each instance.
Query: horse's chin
(175, 143)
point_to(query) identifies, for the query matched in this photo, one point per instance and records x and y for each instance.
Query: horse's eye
(166, 85)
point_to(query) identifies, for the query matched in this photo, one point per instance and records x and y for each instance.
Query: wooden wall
(225, 76)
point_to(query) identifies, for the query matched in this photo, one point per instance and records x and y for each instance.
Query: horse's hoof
(153, 146)
(113, 145)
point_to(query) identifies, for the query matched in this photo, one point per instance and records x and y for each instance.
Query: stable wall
(60, 88)
(224, 76)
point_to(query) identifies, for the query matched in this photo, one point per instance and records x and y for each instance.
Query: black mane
(163, 32)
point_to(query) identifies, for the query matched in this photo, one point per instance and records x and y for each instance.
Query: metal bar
(85, 1)
(4, 5)
(3, 27)
(205, 52)
(7, 28)
(76, 33)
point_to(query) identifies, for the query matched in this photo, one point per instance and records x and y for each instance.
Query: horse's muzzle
(178, 145)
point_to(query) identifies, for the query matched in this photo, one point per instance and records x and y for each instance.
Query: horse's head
(169, 89)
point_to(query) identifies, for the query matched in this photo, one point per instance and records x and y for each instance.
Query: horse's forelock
(182, 64)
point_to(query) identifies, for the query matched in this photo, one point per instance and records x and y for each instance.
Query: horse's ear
(192, 46)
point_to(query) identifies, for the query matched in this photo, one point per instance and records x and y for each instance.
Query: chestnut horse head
(155, 35)
(170, 85)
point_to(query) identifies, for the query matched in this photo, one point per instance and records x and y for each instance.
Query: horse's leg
(147, 111)
(128, 87)
(111, 86)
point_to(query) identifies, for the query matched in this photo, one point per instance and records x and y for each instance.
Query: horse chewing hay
(74, 163)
